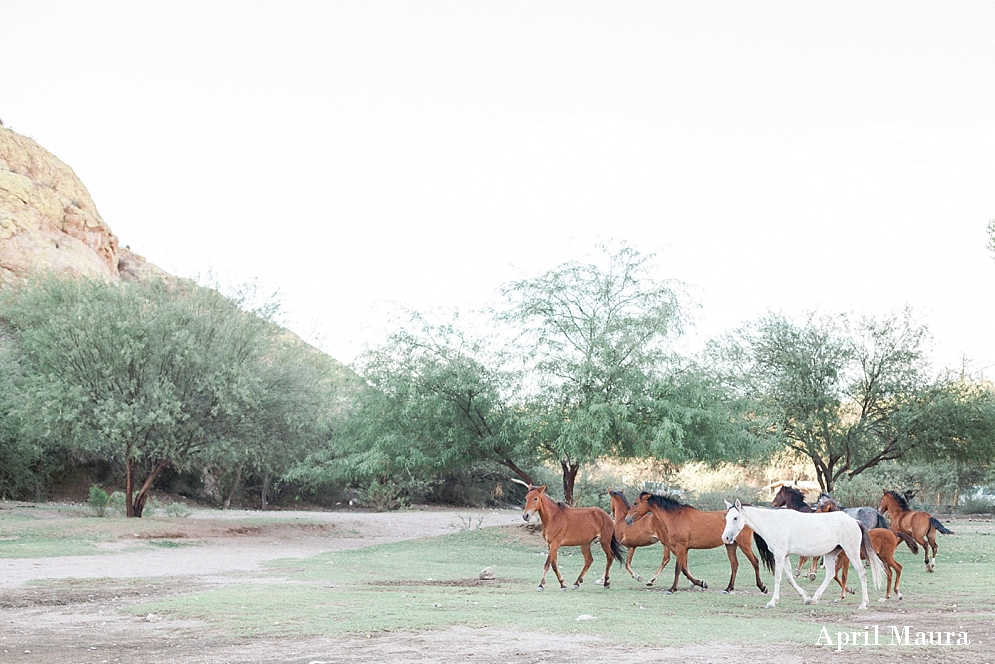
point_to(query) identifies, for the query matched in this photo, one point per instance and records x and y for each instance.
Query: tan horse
(921, 526)
(884, 542)
(681, 527)
(563, 525)
(640, 533)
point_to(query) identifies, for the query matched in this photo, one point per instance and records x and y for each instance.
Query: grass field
(433, 583)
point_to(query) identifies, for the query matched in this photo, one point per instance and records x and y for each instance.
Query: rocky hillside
(49, 222)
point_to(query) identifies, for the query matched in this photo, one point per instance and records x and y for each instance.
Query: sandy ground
(80, 622)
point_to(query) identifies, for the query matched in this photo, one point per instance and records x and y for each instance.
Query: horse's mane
(904, 504)
(621, 496)
(663, 502)
(825, 497)
(794, 497)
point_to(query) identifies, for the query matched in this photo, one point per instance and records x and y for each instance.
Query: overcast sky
(779, 156)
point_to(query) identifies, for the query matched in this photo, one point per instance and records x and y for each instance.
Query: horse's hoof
(669, 592)
(639, 578)
(811, 576)
(862, 607)
(576, 586)
(882, 599)
(539, 589)
(650, 583)
(599, 582)
(899, 595)
(704, 586)
(809, 602)
(798, 573)
(763, 589)
(607, 586)
(836, 601)
(563, 589)
(770, 605)
(725, 592)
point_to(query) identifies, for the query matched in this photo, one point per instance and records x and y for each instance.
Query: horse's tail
(877, 567)
(933, 521)
(617, 549)
(766, 555)
(913, 546)
(882, 523)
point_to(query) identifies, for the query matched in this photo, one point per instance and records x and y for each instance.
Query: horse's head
(639, 508)
(532, 499)
(826, 503)
(619, 503)
(734, 521)
(780, 499)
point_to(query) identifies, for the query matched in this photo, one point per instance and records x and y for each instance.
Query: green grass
(387, 588)
(432, 584)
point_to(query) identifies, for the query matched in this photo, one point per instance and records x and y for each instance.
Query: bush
(178, 510)
(116, 502)
(98, 500)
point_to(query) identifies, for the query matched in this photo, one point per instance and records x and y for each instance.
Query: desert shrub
(98, 500)
(178, 510)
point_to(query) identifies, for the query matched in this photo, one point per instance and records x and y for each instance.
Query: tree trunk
(234, 486)
(508, 463)
(570, 470)
(137, 506)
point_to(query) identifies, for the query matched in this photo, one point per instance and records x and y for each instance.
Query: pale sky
(781, 156)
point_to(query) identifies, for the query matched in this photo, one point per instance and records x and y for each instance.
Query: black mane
(620, 495)
(904, 504)
(663, 502)
(794, 499)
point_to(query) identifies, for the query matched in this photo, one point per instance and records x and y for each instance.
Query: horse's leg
(931, 535)
(681, 556)
(830, 560)
(854, 554)
(801, 591)
(606, 546)
(628, 564)
(842, 568)
(748, 550)
(551, 562)
(666, 559)
(813, 571)
(801, 562)
(733, 566)
(898, 574)
(687, 573)
(779, 564)
(588, 559)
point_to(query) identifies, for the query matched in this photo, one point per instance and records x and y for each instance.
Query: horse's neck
(548, 507)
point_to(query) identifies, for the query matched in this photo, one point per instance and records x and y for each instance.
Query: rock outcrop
(48, 222)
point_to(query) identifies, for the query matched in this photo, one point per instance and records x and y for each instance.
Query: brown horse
(563, 525)
(681, 527)
(922, 526)
(884, 543)
(640, 533)
(792, 498)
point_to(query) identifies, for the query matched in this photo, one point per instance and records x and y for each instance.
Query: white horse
(782, 532)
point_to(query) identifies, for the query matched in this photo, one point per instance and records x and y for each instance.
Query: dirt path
(75, 617)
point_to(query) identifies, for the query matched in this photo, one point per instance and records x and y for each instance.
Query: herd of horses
(789, 527)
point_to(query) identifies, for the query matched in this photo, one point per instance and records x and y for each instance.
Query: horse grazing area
(405, 587)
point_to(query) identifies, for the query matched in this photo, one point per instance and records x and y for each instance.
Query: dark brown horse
(884, 543)
(792, 498)
(563, 525)
(681, 527)
(640, 533)
(921, 526)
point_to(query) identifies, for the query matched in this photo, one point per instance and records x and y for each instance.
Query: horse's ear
(739, 505)
(541, 489)
(728, 504)
(884, 492)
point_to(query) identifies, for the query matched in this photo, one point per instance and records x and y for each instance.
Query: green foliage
(153, 374)
(116, 502)
(601, 374)
(177, 511)
(851, 395)
(98, 500)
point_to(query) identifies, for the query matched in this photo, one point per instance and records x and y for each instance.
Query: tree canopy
(151, 375)
(851, 394)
